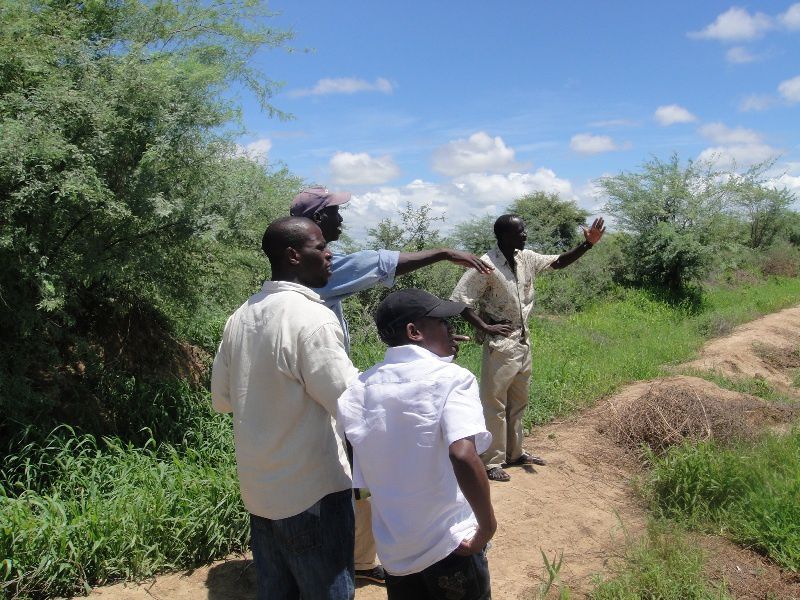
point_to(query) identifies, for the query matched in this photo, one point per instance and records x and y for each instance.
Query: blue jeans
(452, 578)
(309, 555)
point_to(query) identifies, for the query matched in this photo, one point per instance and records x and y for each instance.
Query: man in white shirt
(499, 306)
(279, 369)
(416, 426)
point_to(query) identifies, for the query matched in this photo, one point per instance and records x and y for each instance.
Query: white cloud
(478, 154)
(739, 55)
(791, 18)
(735, 24)
(735, 147)
(738, 155)
(470, 195)
(790, 182)
(669, 114)
(257, 150)
(756, 102)
(362, 169)
(503, 189)
(720, 133)
(587, 143)
(345, 85)
(790, 89)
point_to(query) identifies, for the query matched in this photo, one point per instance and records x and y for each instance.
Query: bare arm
(471, 317)
(471, 476)
(592, 235)
(411, 261)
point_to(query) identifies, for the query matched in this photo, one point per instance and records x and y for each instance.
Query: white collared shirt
(401, 417)
(279, 369)
(504, 294)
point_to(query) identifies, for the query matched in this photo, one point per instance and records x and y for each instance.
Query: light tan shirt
(504, 294)
(279, 369)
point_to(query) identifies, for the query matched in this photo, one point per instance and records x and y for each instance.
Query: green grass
(591, 354)
(755, 386)
(663, 565)
(750, 493)
(76, 511)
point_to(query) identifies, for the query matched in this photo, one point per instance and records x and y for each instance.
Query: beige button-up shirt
(504, 294)
(279, 369)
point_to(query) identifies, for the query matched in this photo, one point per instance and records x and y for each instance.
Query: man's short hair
(503, 223)
(283, 233)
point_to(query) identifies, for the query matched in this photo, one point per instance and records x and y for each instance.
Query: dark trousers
(308, 555)
(452, 578)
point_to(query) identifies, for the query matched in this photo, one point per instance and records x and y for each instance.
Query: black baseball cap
(404, 306)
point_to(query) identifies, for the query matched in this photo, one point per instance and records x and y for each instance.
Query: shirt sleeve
(462, 415)
(536, 263)
(358, 271)
(220, 378)
(470, 288)
(324, 365)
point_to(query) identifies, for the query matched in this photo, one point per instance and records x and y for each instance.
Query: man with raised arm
(353, 273)
(416, 426)
(279, 369)
(499, 305)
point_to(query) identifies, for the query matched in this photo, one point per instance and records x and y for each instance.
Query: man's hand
(469, 260)
(504, 328)
(595, 232)
(475, 544)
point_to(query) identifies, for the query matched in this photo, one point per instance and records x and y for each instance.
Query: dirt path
(581, 504)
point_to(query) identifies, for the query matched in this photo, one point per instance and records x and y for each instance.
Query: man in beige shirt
(504, 298)
(279, 369)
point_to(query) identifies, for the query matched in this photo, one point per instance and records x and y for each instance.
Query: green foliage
(77, 511)
(476, 235)
(115, 171)
(764, 207)
(674, 214)
(748, 493)
(591, 279)
(664, 565)
(552, 223)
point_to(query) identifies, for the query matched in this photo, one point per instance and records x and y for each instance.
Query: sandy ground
(582, 504)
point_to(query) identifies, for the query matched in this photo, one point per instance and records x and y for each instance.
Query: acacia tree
(672, 213)
(552, 223)
(764, 208)
(112, 153)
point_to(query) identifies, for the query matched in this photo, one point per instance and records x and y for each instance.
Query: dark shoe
(526, 459)
(376, 574)
(498, 474)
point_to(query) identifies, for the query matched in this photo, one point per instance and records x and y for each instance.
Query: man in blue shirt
(352, 273)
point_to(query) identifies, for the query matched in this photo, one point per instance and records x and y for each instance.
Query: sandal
(527, 459)
(497, 474)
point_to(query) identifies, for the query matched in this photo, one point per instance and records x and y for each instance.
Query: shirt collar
(500, 257)
(411, 352)
(272, 287)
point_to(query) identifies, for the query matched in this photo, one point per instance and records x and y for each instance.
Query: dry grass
(777, 357)
(675, 411)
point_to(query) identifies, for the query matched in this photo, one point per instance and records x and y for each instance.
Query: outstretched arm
(592, 235)
(471, 476)
(411, 261)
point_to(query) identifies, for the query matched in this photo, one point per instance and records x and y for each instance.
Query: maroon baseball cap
(314, 199)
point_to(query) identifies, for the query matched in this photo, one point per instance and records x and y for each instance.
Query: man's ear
(317, 217)
(413, 333)
(292, 256)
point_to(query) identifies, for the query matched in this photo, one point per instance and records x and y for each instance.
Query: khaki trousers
(364, 554)
(504, 385)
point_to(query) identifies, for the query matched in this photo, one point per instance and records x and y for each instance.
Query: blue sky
(467, 105)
